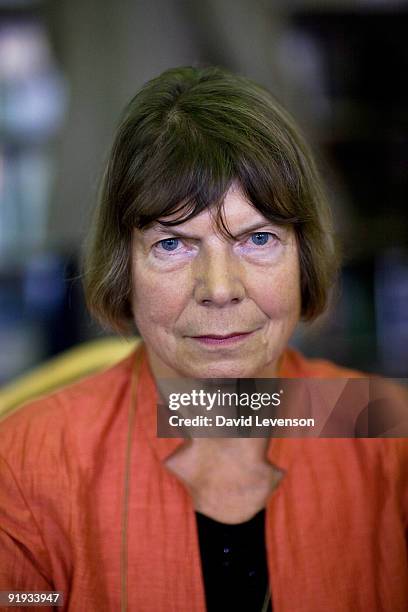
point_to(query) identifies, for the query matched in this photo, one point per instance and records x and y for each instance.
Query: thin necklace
(126, 495)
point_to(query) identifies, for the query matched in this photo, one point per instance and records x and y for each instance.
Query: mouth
(222, 340)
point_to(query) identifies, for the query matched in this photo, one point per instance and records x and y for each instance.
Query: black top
(233, 559)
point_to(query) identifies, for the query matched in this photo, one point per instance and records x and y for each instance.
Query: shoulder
(294, 365)
(386, 401)
(41, 428)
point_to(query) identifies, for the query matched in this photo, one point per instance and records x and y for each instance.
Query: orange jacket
(335, 526)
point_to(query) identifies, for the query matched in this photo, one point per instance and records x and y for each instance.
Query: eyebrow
(173, 231)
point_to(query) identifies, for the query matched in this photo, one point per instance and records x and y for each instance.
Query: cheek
(156, 301)
(279, 298)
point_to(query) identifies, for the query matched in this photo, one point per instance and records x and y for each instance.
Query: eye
(169, 244)
(261, 238)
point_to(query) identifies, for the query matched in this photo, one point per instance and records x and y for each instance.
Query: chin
(219, 370)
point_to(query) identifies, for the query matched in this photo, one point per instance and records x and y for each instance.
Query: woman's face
(207, 306)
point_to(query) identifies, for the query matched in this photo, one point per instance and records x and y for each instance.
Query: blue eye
(169, 244)
(260, 238)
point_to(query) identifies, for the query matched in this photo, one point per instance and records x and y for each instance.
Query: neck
(248, 449)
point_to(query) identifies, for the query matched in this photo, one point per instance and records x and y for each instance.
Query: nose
(219, 279)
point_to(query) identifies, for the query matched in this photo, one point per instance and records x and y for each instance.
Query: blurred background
(66, 70)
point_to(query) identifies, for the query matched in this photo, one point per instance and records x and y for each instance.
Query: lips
(222, 340)
(222, 337)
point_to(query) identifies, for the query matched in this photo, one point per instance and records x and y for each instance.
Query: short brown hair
(184, 138)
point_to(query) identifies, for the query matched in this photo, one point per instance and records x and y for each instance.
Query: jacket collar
(280, 451)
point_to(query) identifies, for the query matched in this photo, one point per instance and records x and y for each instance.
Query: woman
(212, 236)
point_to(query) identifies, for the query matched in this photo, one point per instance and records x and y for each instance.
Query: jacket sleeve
(24, 560)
